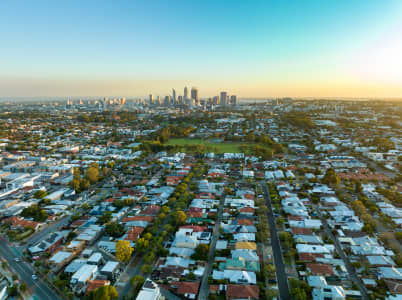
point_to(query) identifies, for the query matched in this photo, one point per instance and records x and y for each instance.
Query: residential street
(204, 287)
(345, 259)
(283, 285)
(40, 289)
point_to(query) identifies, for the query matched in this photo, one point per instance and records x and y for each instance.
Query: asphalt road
(204, 287)
(352, 273)
(281, 276)
(40, 289)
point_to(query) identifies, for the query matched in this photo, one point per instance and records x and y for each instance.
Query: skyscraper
(194, 95)
(233, 100)
(223, 99)
(185, 95)
(151, 99)
(174, 96)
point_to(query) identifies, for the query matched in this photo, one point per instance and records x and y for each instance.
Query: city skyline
(262, 49)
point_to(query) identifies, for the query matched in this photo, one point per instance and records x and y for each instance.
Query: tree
(136, 282)
(299, 290)
(142, 244)
(147, 236)
(84, 184)
(286, 239)
(92, 173)
(168, 228)
(114, 229)
(398, 236)
(149, 257)
(358, 187)
(331, 177)
(23, 287)
(123, 251)
(40, 194)
(12, 291)
(383, 144)
(107, 292)
(165, 209)
(146, 268)
(76, 182)
(201, 252)
(269, 271)
(105, 217)
(71, 235)
(180, 217)
(35, 212)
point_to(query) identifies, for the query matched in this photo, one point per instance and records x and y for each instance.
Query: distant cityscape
(192, 100)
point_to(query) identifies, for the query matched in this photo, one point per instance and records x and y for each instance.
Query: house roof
(94, 284)
(300, 230)
(195, 228)
(310, 256)
(246, 245)
(394, 286)
(18, 222)
(138, 218)
(188, 287)
(320, 269)
(242, 291)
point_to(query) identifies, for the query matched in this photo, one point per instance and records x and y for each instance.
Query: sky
(297, 48)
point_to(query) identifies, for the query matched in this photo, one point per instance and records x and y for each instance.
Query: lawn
(224, 147)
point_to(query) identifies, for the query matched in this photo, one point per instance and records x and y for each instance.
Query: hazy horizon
(261, 49)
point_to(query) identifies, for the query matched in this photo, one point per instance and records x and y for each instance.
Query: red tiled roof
(134, 233)
(195, 214)
(17, 222)
(195, 209)
(245, 222)
(195, 228)
(138, 218)
(247, 209)
(151, 210)
(320, 269)
(188, 287)
(295, 218)
(310, 256)
(242, 291)
(297, 230)
(214, 288)
(94, 284)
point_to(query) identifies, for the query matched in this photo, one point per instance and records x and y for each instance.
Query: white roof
(221, 244)
(95, 257)
(235, 276)
(60, 256)
(380, 260)
(305, 248)
(110, 266)
(390, 273)
(316, 281)
(84, 273)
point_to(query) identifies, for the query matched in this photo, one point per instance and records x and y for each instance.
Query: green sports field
(224, 147)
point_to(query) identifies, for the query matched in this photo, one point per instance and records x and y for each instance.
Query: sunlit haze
(252, 48)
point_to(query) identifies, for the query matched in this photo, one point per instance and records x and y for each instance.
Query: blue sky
(253, 48)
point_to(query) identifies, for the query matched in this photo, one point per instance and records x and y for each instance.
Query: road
(40, 289)
(281, 276)
(352, 273)
(204, 287)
